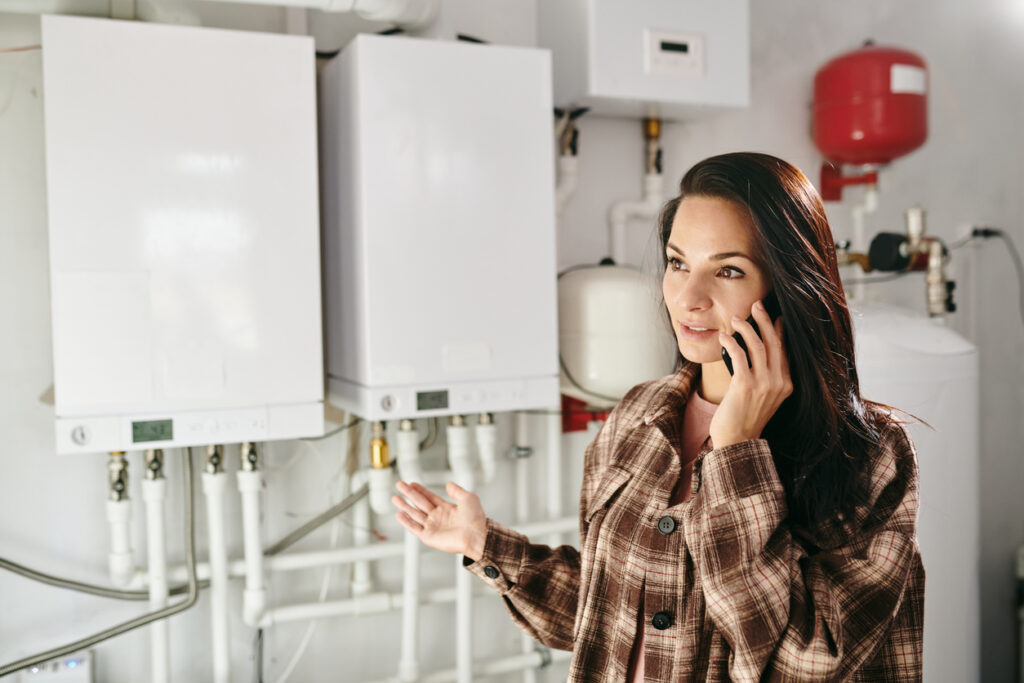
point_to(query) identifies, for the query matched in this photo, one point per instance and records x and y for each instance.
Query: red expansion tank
(871, 105)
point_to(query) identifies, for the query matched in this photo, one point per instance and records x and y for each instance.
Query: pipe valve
(155, 464)
(117, 470)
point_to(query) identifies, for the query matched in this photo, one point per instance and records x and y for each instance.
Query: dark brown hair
(822, 433)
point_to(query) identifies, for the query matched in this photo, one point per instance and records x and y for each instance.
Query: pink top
(696, 426)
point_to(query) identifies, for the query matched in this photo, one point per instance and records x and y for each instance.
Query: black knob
(662, 620)
(885, 252)
(666, 525)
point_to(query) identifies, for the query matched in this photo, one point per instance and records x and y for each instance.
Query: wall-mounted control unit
(673, 59)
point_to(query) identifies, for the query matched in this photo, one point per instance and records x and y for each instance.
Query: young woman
(746, 527)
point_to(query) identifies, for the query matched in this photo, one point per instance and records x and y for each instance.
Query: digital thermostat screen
(675, 47)
(152, 430)
(431, 400)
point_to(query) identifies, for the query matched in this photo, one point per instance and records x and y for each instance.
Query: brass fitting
(652, 128)
(845, 257)
(380, 458)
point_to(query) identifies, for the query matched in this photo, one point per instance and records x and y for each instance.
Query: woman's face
(711, 275)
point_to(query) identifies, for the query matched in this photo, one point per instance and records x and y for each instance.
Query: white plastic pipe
(120, 563)
(522, 469)
(522, 432)
(382, 487)
(859, 241)
(463, 622)
(154, 494)
(340, 556)
(622, 212)
(408, 443)
(374, 603)
(461, 461)
(554, 471)
(214, 485)
(568, 179)
(362, 583)
(461, 457)
(254, 597)
(487, 448)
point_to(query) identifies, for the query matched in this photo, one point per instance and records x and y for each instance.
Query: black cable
(1014, 255)
(881, 278)
(337, 430)
(145, 619)
(395, 31)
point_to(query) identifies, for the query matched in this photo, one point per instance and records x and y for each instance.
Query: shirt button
(666, 525)
(662, 620)
(491, 572)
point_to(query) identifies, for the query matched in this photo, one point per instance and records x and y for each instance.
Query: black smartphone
(771, 307)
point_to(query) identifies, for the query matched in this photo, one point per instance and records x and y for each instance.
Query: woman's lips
(694, 335)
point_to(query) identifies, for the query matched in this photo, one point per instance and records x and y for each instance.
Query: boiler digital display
(152, 430)
(431, 400)
(668, 46)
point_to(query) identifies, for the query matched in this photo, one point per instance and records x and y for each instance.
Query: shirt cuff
(737, 471)
(501, 562)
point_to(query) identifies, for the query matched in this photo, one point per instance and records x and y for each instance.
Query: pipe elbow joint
(254, 605)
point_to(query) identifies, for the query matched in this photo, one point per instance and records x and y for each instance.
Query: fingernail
(760, 305)
(736, 319)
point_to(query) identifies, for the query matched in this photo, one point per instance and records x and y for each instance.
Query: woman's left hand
(755, 392)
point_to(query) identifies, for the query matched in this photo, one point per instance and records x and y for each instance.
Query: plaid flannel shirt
(731, 590)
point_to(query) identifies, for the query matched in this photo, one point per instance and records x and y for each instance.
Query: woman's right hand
(459, 527)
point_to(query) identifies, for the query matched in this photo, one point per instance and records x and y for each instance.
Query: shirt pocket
(613, 480)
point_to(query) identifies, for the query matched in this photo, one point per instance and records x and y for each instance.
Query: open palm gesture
(459, 527)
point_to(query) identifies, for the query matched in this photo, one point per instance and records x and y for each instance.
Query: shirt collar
(668, 405)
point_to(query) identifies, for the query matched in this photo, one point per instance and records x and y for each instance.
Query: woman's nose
(692, 294)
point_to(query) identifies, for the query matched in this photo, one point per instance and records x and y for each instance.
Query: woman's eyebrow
(714, 257)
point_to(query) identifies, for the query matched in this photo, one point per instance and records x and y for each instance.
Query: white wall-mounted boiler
(674, 59)
(439, 240)
(184, 235)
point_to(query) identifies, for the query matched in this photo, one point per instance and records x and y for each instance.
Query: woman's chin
(700, 353)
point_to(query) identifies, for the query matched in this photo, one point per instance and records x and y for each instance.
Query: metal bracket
(518, 452)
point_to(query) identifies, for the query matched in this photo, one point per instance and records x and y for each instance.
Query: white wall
(969, 171)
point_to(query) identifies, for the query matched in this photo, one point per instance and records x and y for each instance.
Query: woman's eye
(733, 272)
(675, 264)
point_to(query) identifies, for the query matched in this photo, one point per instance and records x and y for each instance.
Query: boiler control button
(80, 435)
